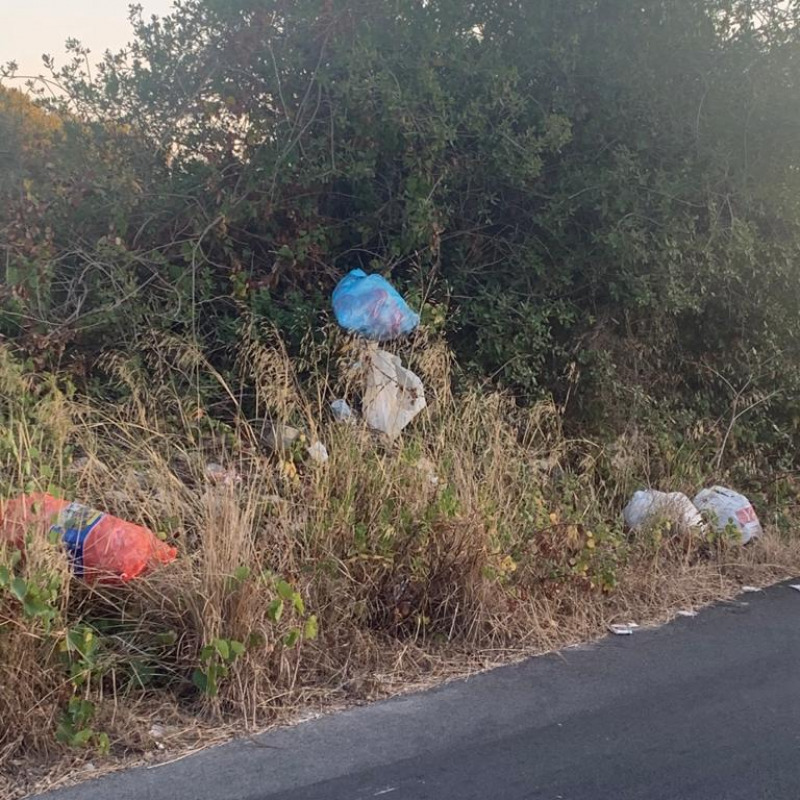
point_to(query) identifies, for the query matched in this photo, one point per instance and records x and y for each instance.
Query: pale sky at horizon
(29, 28)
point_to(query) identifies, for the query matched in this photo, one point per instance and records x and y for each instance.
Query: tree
(589, 190)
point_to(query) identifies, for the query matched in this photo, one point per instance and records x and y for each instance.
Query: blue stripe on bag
(73, 525)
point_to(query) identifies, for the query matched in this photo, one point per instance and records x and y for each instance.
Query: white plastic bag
(649, 506)
(724, 507)
(342, 412)
(394, 395)
(318, 453)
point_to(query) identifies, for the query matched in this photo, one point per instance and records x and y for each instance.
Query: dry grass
(483, 535)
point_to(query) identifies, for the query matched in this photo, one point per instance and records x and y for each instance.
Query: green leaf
(241, 574)
(19, 588)
(297, 602)
(81, 738)
(311, 628)
(5, 577)
(36, 608)
(64, 732)
(103, 743)
(237, 648)
(75, 638)
(207, 653)
(200, 680)
(285, 590)
(291, 638)
(167, 639)
(275, 610)
(223, 648)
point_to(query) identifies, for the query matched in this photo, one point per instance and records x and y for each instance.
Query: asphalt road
(706, 708)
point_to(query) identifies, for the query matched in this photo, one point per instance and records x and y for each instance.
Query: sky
(29, 28)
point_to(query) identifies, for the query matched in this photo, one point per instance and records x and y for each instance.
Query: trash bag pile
(369, 306)
(716, 509)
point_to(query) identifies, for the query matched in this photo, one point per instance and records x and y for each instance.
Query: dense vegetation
(590, 201)
(596, 206)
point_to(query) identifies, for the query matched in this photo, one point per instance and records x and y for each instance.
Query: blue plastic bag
(369, 305)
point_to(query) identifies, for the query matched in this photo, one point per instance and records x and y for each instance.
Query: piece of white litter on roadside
(687, 612)
(318, 453)
(621, 630)
(795, 586)
(751, 589)
(633, 625)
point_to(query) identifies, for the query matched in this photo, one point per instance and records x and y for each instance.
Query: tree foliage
(601, 200)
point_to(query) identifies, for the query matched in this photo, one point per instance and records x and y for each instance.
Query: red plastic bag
(99, 546)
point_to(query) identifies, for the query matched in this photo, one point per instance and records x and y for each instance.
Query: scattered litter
(280, 437)
(751, 589)
(318, 453)
(795, 586)
(370, 306)
(99, 546)
(394, 395)
(157, 731)
(216, 473)
(726, 507)
(687, 612)
(342, 412)
(621, 630)
(428, 469)
(89, 767)
(649, 506)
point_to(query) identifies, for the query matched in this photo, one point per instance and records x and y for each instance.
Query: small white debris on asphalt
(687, 612)
(621, 630)
(751, 589)
(795, 586)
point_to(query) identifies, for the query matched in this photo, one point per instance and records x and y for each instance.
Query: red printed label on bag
(746, 515)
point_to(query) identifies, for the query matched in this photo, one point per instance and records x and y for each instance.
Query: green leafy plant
(216, 659)
(74, 727)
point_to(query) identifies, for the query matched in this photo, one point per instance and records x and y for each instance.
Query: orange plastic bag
(99, 546)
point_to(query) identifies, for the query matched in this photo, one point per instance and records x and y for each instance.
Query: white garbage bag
(394, 395)
(649, 506)
(724, 507)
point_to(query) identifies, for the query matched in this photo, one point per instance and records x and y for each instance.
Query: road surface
(706, 708)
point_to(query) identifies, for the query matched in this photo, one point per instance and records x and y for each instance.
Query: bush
(593, 203)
